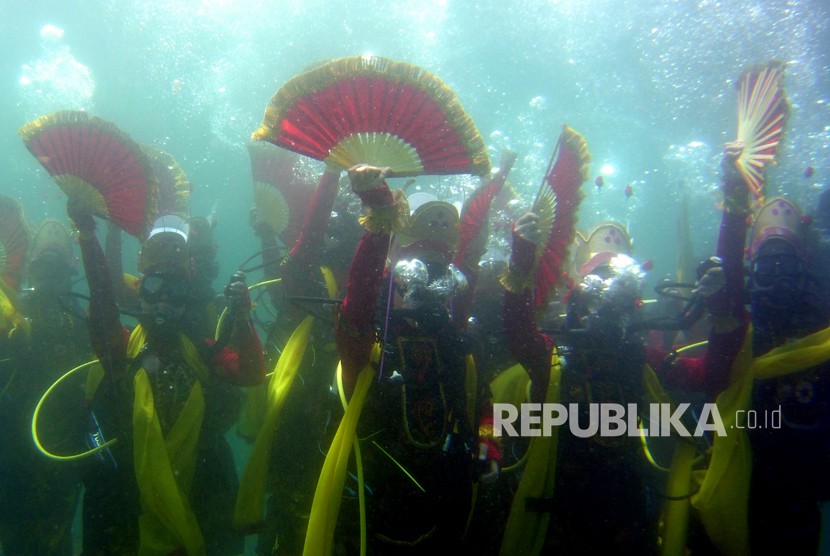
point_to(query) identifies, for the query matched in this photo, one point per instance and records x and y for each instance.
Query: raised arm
(354, 330)
(106, 332)
(528, 345)
(723, 290)
(307, 250)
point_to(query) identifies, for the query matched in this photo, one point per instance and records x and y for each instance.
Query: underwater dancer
(790, 491)
(422, 428)
(599, 493)
(162, 395)
(307, 291)
(39, 496)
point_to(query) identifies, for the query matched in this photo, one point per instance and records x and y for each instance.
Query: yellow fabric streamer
(319, 539)
(676, 513)
(164, 467)
(510, 386)
(797, 356)
(723, 497)
(675, 518)
(256, 397)
(252, 414)
(251, 498)
(331, 282)
(11, 321)
(724, 487)
(525, 531)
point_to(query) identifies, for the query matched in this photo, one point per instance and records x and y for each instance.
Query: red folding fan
(556, 204)
(473, 229)
(97, 165)
(762, 114)
(281, 193)
(373, 110)
(173, 186)
(14, 241)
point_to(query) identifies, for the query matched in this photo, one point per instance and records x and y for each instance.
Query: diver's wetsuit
(599, 500)
(39, 496)
(111, 504)
(294, 464)
(790, 436)
(419, 417)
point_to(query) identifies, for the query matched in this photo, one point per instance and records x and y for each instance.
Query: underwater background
(649, 84)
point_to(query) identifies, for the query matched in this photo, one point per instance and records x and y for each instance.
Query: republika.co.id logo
(611, 419)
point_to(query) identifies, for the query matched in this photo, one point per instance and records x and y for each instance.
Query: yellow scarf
(164, 467)
(525, 530)
(10, 319)
(325, 508)
(326, 505)
(724, 486)
(251, 498)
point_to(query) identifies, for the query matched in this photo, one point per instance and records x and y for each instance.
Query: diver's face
(50, 275)
(163, 295)
(777, 275)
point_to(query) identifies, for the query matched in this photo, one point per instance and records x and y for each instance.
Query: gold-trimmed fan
(173, 186)
(14, 242)
(99, 167)
(281, 193)
(762, 114)
(372, 110)
(556, 205)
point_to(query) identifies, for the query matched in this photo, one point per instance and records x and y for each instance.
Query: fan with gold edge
(173, 186)
(99, 167)
(14, 242)
(556, 204)
(762, 115)
(376, 111)
(281, 191)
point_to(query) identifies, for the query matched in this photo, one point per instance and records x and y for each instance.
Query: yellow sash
(251, 498)
(723, 487)
(325, 508)
(10, 319)
(257, 398)
(525, 531)
(800, 355)
(164, 467)
(722, 500)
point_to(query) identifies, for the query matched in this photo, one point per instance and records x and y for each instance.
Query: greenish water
(647, 83)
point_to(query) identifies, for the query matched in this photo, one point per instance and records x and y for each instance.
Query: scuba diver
(203, 307)
(421, 452)
(598, 493)
(162, 395)
(305, 290)
(790, 489)
(39, 496)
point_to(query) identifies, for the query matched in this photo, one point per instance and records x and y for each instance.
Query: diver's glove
(81, 217)
(387, 211)
(258, 224)
(237, 296)
(734, 189)
(707, 294)
(526, 235)
(368, 182)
